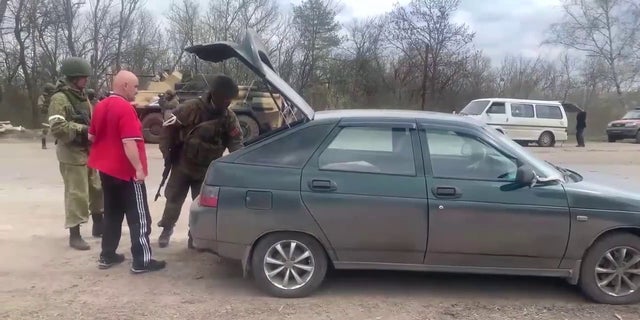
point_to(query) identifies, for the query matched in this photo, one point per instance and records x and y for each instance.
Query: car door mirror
(526, 176)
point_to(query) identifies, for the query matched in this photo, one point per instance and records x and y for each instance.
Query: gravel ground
(41, 278)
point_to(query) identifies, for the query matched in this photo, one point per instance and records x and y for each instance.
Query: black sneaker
(108, 262)
(154, 265)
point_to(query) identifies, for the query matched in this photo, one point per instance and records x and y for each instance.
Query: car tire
(250, 128)
(304, 245)
(638, 137)
(596, 258)
(611, 139)
(152, 126)
(547, 139)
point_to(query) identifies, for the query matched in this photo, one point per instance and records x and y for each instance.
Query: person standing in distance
(198, 132)
(118, 153)
(581, 124)
(43, 104)
(69, 117)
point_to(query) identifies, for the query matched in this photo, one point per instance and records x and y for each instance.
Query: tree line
(413, 57)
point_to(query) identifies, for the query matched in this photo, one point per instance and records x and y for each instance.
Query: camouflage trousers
(82, 193)
(178, 186)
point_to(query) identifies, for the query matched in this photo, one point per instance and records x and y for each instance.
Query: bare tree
(184, 17)
(24, 12)
(102, 23)
(3, 9)
(425, 28)
(68, 13)
(315, 20)
(128, 9)
(608, 29)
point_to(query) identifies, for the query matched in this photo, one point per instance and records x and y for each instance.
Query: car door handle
(323, 185)
(446, 192)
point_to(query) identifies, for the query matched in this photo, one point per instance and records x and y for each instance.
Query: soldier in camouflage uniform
(197, 133)
(168, 103)
(43, 105)
(69, 116)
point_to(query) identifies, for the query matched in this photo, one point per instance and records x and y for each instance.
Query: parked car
(626, 128)
(405, 190)
(525, 121)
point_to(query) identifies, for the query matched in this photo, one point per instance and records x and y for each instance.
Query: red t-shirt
(114, 120)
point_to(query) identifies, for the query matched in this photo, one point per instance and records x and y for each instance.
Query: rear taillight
(209, 196)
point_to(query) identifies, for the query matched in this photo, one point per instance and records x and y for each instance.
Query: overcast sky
(502, 26)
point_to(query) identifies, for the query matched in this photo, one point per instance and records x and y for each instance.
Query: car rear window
(548, 112)
(291, 151)
(370, 150)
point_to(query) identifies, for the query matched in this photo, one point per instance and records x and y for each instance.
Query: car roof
(520, 100)
(392, 114)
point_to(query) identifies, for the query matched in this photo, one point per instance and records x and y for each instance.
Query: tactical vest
(75, 110)
(80, 109)
(205, 141)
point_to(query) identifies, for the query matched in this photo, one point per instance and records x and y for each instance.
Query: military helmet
(170, 92)
(221, 84)
(75, 67)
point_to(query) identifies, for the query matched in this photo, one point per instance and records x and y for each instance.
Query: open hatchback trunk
(571, 107)
(252, 53)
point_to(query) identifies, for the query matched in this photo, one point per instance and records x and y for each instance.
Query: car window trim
(419, 171)
(283, 135)
(378, 124)
(426, 154)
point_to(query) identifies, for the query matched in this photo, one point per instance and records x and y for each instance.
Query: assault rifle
(165, 174)
(169, 160)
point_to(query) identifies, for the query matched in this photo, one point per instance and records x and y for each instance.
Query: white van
(524, 121)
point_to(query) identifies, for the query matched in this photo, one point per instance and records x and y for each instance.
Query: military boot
(163, 240)
(98, 226)
(75, 239)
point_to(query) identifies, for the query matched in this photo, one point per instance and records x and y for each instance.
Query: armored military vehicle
(255, 107)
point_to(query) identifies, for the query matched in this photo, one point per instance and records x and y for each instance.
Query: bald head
(125, 83)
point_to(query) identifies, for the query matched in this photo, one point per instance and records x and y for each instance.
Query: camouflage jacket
(194, 136)
(169, 104)
(69, 117)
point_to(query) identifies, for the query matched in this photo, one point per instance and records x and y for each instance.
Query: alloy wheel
(618, 271)
(289, 264)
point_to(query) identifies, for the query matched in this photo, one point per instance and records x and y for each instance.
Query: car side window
(291, 151)
(521, 110)
(460, 156)
(497, 108)
(548, 112)
(383, 150)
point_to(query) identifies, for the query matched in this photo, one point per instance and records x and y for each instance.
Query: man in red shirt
(118, 153)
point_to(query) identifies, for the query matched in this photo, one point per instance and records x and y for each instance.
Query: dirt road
(41, 278)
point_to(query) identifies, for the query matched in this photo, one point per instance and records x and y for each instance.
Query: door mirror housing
(526, 176)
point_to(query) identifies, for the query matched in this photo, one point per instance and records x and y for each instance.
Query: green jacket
(69, 117)
(194, 136)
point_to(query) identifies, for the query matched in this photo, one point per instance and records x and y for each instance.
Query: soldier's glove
(82, 137)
